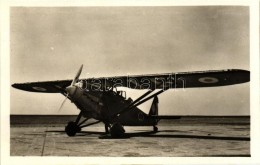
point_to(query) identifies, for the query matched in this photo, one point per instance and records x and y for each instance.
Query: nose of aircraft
(71, 90)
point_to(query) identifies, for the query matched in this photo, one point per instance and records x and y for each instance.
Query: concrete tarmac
(172, 140)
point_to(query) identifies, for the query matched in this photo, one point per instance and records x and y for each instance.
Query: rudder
(154, 107)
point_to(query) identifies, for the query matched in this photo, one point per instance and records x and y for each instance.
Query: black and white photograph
(130, 82)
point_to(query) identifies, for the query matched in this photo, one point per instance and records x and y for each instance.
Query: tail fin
(154, 107)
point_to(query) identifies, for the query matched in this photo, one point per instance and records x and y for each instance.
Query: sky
(50, 43)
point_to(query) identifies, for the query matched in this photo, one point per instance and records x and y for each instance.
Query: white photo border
(5, 83)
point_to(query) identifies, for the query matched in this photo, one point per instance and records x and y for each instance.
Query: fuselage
(104, 105)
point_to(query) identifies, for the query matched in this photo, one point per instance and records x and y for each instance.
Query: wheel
(117, 130)
(155, 129)
(72, 128)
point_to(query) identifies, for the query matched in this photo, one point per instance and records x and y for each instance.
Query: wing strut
(139, 101)
(140, 98)
(148, 98)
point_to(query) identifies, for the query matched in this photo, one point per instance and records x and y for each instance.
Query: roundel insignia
(39, 89)
(208, 80)
(140, 116)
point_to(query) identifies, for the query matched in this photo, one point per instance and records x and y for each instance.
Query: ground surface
(185, 137)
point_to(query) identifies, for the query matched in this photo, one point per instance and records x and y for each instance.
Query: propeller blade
(77, 76)
(63, 102)
(72, 84)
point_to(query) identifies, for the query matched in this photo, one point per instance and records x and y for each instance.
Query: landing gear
(117, 130)
(72, 128)
(107, 126)
(155, 129)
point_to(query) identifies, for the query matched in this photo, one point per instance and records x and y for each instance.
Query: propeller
(77, 76)
(70, 89)
(63, 102)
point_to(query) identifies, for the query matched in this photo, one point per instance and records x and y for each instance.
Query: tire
(72, 128)
(117, 131)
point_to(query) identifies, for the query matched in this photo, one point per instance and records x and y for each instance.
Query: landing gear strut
(107, 126)
(155, 129)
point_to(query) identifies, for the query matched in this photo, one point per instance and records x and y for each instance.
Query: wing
(45, 86)
(197, 79)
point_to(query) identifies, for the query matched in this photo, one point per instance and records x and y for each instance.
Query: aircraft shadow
(81, 133)
(168, 131)
(200, 137)
(156, 135)
(128, 135)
